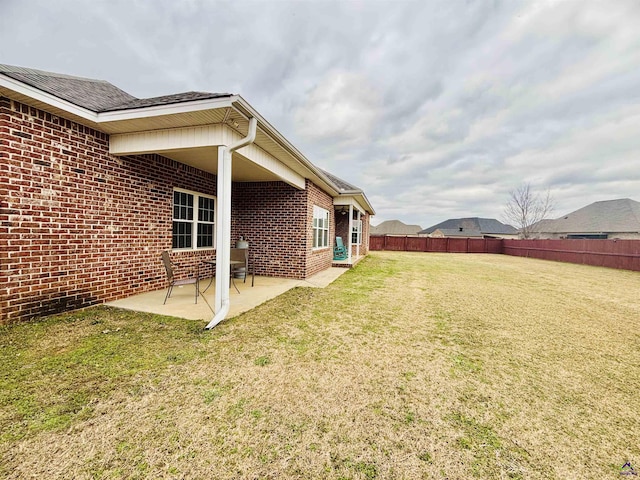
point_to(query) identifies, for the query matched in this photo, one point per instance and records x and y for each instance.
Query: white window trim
(194, 222)
(320, 214)
(357, 229)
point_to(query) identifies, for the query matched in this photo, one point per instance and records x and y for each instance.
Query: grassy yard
(409, 366)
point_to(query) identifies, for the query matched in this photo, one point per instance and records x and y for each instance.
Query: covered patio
(262, 190)
(182, 305)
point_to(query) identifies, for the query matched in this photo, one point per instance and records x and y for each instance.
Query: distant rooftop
(486, 226)
(395, 227)
(460, 232)
(608, 216)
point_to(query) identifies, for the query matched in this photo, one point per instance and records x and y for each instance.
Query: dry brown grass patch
(409, 366)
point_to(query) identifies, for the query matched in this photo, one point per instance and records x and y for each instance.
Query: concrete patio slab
(182, 305)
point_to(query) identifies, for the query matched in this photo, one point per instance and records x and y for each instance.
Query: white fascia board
(170, 109)
(44, 97)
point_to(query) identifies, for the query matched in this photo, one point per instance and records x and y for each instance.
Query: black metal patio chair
(171, 268)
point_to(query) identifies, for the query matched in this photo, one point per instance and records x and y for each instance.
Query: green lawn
(408, 366)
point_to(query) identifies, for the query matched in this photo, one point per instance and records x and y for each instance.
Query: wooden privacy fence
(428, 244)
(621, 254)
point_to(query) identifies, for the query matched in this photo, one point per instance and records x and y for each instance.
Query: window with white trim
(356, 232)
(193, 220)
(320, 227)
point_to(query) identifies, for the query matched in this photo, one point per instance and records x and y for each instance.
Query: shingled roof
(95, 95)
(166, 100)
(486, 226)
(395, 227)
(100, 96)
(452, 232)
(609, 216)
(342, 185)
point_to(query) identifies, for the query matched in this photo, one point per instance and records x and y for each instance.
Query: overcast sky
(437, 109)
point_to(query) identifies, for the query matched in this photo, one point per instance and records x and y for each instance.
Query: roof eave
(239, 104)
(317, 175)
(168, 109)
(26, 90)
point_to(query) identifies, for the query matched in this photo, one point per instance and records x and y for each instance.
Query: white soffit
(196, 146)
(186, 114)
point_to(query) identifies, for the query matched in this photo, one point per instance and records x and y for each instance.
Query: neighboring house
(395, 227)
(452, 232)
(471, 227)
(606, 219)
(96, 183)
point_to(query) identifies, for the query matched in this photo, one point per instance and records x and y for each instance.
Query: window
(356, 232)
(193, 220)
(320, 227)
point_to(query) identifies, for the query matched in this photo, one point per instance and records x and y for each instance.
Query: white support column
(223, 232)
(221, 284)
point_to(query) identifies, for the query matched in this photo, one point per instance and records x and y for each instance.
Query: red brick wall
(77, 225)
(366, 228)
(320, 259)
(276, 219)
(271, 217)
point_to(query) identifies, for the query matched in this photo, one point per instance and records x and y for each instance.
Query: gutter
(242, 104)
(223, 232)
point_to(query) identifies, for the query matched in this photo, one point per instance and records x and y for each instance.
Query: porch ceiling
(206, 159)
(198, 146)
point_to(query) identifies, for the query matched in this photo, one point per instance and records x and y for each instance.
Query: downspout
(223, 232)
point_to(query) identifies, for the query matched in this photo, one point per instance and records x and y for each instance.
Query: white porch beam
(153, 141)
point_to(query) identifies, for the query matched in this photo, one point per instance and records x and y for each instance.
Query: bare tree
(525, 208)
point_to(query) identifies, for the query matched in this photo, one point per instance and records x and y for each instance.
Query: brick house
(95, 184)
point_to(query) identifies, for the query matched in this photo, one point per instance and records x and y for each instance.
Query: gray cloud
(436, 109)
